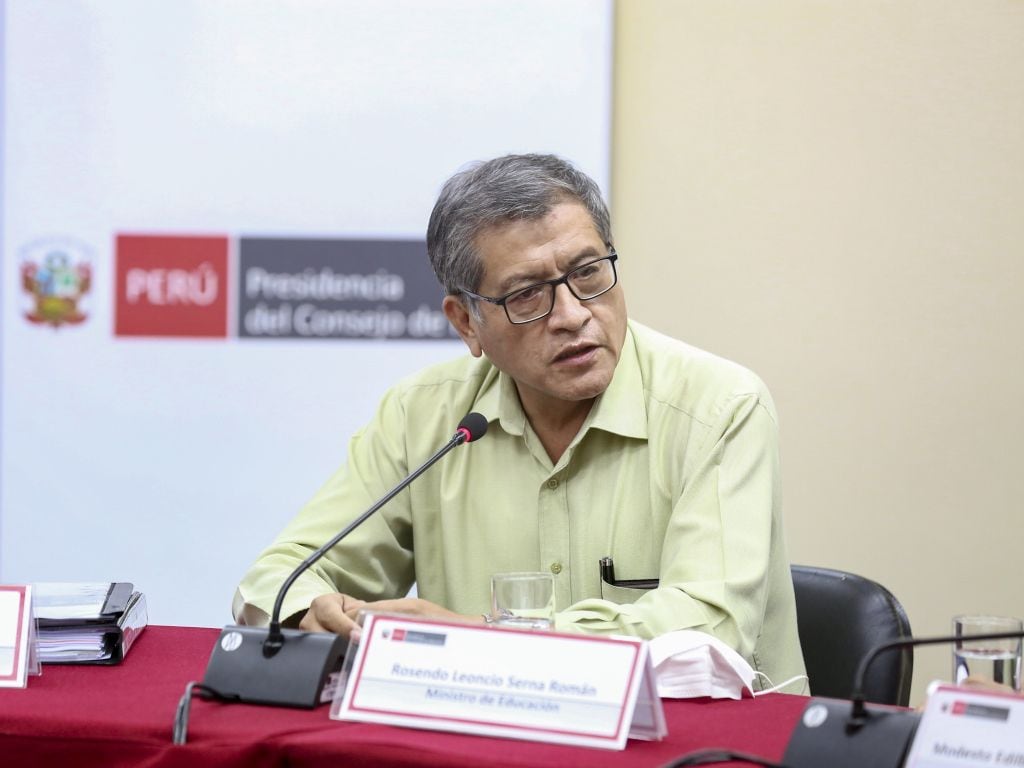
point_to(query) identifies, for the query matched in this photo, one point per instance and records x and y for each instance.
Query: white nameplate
(542, 686)
(15, 635)
(967, 728)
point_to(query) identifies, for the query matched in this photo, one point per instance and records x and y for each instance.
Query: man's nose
(568, 311)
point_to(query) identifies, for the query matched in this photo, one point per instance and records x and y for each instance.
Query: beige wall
(832, 193)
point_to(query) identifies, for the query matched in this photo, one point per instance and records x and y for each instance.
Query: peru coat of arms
(56, 276)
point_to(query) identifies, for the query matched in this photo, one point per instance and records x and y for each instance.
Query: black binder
(113, 630)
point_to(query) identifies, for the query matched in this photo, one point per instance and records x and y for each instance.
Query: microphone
(289, 667)
(852, 734)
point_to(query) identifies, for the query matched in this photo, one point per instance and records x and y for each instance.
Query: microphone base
(292, 677)
(822, 737)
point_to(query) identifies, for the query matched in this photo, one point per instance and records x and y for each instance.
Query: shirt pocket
(621, 595)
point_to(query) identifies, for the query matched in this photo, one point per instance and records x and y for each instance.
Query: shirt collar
(498, 401)
(621, 409)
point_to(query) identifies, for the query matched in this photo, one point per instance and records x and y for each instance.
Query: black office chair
(840, 618)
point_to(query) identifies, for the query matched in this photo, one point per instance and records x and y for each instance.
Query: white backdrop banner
(213, 257)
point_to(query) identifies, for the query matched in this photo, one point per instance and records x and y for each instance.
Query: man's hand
(331, 613)
(338, 613)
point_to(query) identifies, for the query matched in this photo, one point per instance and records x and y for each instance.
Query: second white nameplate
(542, 686)
(970, 728)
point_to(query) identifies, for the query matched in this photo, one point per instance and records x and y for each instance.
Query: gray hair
(505, 189)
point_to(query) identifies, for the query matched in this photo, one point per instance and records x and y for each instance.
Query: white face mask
(691, 664)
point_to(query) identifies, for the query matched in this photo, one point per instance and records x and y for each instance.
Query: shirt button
(553, 483)
(556, 568)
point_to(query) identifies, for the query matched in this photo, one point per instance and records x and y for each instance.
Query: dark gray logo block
(292, 288)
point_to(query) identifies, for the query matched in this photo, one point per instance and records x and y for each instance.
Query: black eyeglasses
(585, 282)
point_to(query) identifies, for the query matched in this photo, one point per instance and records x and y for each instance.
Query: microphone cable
(180, 733)
(715, 756)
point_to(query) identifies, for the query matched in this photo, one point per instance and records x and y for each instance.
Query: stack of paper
(88, 622)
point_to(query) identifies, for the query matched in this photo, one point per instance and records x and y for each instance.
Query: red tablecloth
(123, 715)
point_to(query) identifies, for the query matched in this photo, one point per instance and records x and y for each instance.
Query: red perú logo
(171, 286)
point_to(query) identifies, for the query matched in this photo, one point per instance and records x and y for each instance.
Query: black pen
(608, 577)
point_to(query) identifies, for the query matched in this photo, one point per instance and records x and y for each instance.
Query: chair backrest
(840, 618)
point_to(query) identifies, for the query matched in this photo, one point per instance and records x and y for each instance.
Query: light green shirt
(674, 474)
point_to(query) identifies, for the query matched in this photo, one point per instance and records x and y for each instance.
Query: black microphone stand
(859, 713)
(290, 667)
(275, 638)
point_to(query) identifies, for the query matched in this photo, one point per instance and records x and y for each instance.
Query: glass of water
(998, 661)
(525, 600)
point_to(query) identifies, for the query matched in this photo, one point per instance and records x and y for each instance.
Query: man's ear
(458, 315)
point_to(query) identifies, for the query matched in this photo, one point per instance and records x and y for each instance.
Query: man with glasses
(606, 439)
